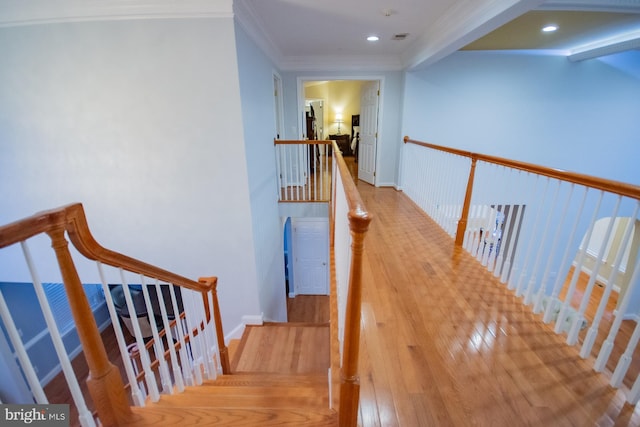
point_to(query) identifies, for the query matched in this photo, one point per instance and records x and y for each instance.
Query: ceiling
(575, 28)
(304, 34)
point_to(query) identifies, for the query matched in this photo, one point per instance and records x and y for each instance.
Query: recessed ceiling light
(373, 38)
(549, 28)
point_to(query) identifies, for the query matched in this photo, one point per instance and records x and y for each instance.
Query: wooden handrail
(359, 220)
(302, 141)
(616, 187)
(74, 221)
(104, 383)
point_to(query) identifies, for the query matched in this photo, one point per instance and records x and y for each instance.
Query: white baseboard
(292, 294)
(236, 333)
(630, 316)
(253, 319)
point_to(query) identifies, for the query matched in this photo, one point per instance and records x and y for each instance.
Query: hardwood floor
(308, 309)
(283, 348)
(445, 344)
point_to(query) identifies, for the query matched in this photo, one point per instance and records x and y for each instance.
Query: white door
(368, 131)
(310, 255)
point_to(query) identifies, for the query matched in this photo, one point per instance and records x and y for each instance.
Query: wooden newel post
(104, 381)
(222, 348)
(462, 223)
(349, 378)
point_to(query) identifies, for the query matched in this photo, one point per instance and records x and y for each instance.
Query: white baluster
(175, 365)
(311, 174)
(634, 395)
(537, 308)
(533, 239)
(158, 347)
(579, 318)
(217, 367)
(86, 419)
(196, 357)
(289, 162)
(21, 352)
(560, 322)
(187, 369)
(507, 275)
(554, 301)
(136, 393)
(607, 345)
(507, 184)
(593, 330)
(205, 346)
(625, 359)
(150, 377)
(528, 299)
(279, 171)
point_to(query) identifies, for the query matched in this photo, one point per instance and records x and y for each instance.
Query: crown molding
(621, 6)
(341, 63)
(247, 18)
(34, 12)
(250, 22)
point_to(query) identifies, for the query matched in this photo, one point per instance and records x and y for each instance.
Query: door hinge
(378, 92)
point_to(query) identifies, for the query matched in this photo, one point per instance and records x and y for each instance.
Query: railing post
(222, 348)
(464, 218)
(104, 381)
(349, 378)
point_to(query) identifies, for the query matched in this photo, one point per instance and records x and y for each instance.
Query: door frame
(302, 125)
(278, 105)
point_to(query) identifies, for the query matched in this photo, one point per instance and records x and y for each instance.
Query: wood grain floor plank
(459, 348)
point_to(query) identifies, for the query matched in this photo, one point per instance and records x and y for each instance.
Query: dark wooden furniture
(311, 126)
(355, 133)
(344, 143)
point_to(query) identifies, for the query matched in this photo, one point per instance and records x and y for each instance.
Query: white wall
(141, 122)
(258, 110)
(582, 117)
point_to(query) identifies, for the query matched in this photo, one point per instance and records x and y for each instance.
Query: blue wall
(582, 117)
(255, 73)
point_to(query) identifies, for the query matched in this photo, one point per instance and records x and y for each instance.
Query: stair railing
(349, 224)
(566, 243)
(193, 330)
(303, 169)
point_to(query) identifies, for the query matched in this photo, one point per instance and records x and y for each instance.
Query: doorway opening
(349, 115)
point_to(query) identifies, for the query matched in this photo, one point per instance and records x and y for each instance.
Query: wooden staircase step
(244, 399)
(251, 390)
(268, 380)
(204, 416)
(237, 398)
